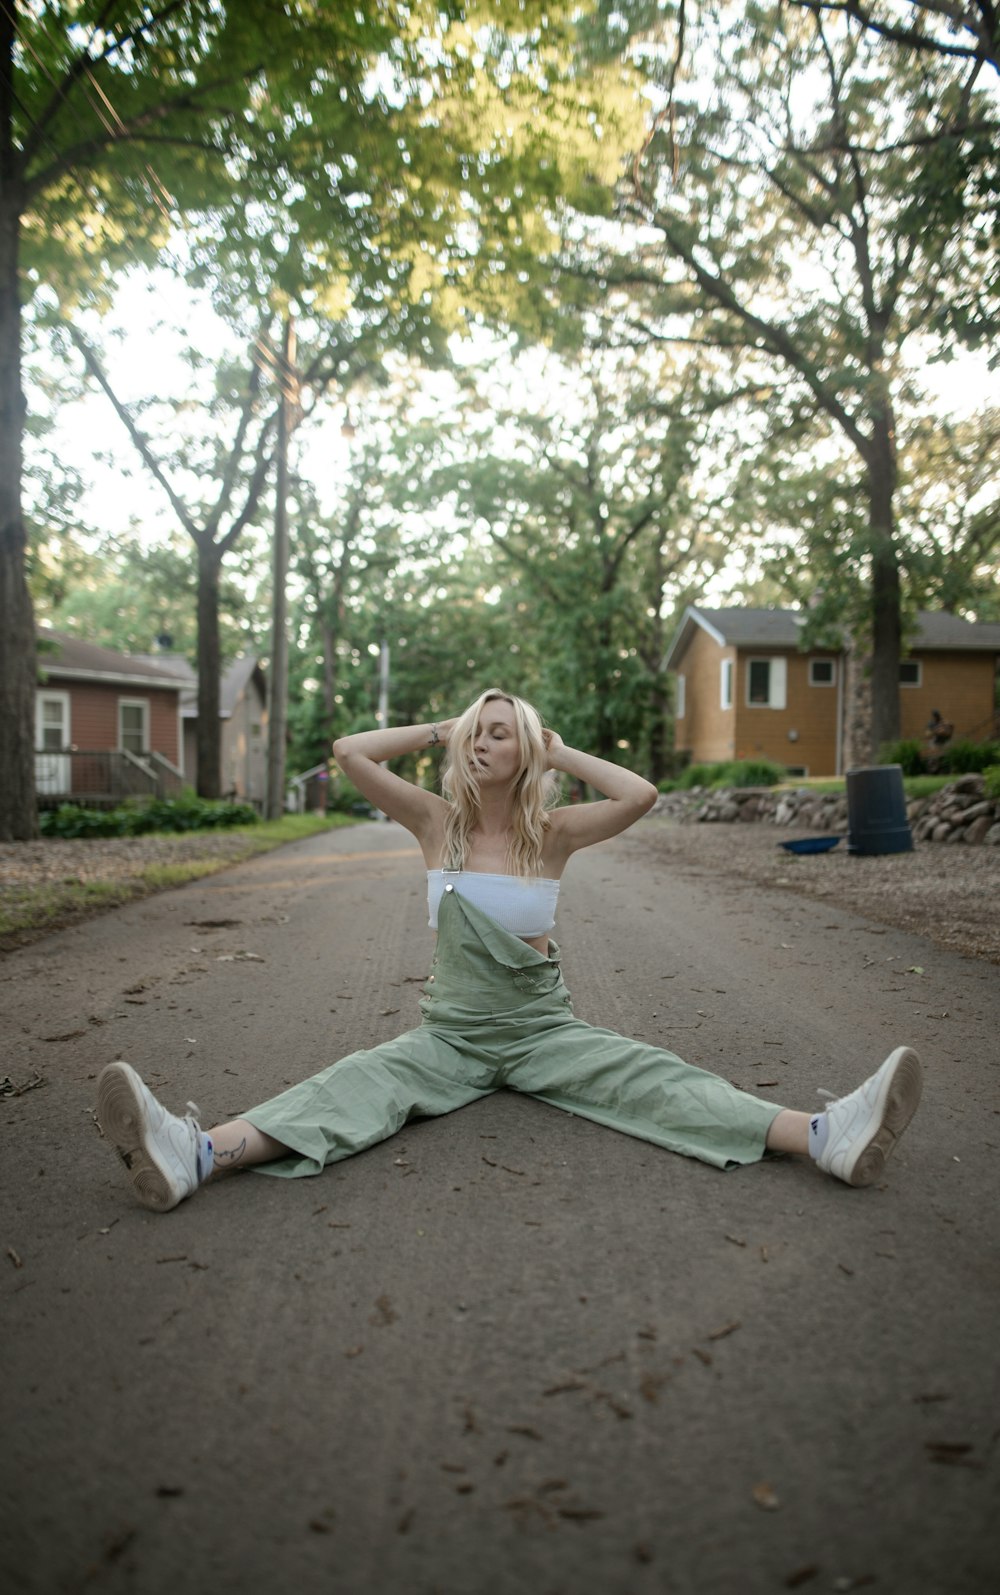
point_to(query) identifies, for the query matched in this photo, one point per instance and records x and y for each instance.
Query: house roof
(233, 684)
(782, 628)
(76, 660)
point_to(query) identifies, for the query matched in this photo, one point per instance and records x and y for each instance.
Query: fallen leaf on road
(354, 1351)
(15, 1257)
(524, 1429)
(735, 1240)
(650, 1386)
(765, 1497)
(579, 1514)
(727, 1329)
(801, 1575)
(567, 1385)
(384, 1312)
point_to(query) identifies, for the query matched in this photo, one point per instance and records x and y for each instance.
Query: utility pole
(383, 685)
(277, 713)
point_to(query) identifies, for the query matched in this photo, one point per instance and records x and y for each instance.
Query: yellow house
(745, 689)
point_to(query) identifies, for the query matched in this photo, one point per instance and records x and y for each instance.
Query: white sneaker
(159, 1149)
(863, 1128)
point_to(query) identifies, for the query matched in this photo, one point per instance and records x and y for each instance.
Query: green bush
(187, 813)
(965, 757)
(752, 772)
(733, 772)
(344, 798)
(908, 753)
(991, 777)
(698, 775)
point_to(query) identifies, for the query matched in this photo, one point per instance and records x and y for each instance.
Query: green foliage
(965, 757)
(908, 753)
(991, 781)
(344, 798)
(733, 772)
(187, 813)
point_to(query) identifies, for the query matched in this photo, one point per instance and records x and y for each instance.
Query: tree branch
(138, 438)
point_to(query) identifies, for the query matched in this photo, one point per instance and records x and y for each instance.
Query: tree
(343, 156)
(589, 502)
(964, 30)
(128, 592)
(802, 233)
(230, 476)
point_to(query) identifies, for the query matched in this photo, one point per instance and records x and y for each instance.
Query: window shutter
(779, 683)
(726, 684)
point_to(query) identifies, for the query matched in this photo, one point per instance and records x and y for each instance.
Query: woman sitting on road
(495, 1011)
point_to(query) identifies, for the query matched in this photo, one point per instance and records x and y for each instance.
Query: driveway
(507, 1351)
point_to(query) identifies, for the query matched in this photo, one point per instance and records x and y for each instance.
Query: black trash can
(876, 811)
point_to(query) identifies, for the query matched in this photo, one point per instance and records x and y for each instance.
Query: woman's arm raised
(361, 757)
(627, 797)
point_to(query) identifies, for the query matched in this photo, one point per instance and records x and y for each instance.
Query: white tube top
(525, 905)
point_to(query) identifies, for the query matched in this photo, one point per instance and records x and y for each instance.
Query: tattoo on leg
(230, 1159)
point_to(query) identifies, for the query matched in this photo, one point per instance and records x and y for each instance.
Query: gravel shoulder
(946, 893)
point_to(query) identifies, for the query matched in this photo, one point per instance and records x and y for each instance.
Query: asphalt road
(507, 1351)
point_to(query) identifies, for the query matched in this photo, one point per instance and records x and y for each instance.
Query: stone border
(959, 812)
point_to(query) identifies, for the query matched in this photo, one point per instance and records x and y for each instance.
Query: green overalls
(495, 1013)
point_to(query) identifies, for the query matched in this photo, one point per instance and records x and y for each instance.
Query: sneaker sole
(899, 1099)
(122, 1116)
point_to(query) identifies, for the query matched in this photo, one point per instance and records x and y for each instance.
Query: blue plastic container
(876, 811)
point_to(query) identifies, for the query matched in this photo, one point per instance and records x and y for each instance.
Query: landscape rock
(959, 812)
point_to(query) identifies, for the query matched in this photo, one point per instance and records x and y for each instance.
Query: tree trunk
(209, 672)
(886, 596)
(18, 667)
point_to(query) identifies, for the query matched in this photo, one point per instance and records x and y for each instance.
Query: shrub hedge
(735, 772)
(187, 813)
(958, 758)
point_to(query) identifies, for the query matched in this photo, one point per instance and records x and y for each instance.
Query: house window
(822, 672)
(679, 699)
(726, 685)
(767, 683)
(133, 725)
(910, 673)
(52, 721)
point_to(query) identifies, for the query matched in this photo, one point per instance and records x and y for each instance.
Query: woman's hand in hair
(555, 747)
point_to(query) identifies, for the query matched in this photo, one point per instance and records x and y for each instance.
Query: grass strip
(30, 911)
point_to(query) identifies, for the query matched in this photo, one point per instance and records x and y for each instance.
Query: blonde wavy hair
(534, 787)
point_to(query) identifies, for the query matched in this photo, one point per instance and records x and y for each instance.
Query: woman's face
(495, 746)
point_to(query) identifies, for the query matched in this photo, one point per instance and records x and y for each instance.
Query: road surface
(507, 1351)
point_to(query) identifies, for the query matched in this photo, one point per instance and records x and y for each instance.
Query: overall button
(449, 888)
